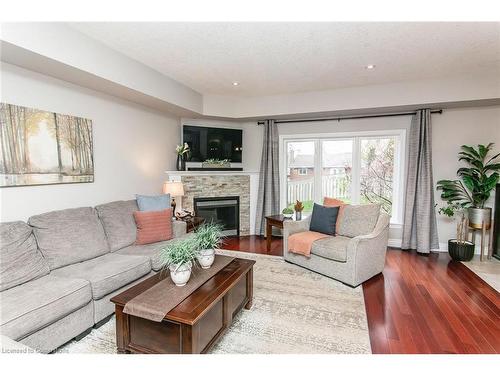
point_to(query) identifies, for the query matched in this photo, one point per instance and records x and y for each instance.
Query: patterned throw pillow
(153, 226)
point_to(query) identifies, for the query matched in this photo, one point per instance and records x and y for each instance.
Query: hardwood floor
(420, 304)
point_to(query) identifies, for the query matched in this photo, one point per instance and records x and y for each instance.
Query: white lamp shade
(175, 189)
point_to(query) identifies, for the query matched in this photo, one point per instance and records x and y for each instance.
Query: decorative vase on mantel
(181, 163)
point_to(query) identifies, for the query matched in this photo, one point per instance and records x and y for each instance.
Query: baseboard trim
(443, 246)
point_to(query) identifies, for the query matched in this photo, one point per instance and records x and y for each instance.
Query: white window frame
(399, 178)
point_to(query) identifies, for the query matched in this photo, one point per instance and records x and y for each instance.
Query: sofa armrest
(291, 227)
(367, 252)
(179, 228)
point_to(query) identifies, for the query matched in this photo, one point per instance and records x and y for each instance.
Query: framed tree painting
(40, 147)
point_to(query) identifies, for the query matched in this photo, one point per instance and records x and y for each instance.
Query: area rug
(294, 311)
(488, 270)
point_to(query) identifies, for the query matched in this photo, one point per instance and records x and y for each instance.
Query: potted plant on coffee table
(178, 257)
(459, 248)
(207, 238)
(475, 183)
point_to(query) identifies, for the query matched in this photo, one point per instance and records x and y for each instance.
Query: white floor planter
(180, 274)
(206, 258)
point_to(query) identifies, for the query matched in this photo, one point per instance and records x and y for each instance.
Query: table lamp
(175, 189)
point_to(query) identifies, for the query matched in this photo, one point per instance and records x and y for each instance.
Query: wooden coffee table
(194, 325)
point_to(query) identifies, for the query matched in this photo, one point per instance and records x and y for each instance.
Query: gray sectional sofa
(59, 271)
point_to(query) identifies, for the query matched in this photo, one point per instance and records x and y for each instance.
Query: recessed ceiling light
(370, 67)
(236, 83)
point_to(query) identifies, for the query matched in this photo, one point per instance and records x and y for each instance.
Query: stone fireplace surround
(201, 184)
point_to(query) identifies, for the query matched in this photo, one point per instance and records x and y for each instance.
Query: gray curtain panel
(268, 202)
(420, 228)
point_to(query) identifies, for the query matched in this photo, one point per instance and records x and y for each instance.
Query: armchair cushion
(333, 248)
(358, 220)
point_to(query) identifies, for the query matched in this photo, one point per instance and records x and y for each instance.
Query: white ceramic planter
(206, 258)
(180, 275)
(288, 216)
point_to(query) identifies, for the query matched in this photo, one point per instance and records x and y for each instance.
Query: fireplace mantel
(211, 173)
(201, 184)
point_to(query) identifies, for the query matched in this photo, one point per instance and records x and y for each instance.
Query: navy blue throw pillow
(324, 219)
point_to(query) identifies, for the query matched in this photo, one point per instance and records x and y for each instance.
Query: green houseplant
(207, 238)
(178, 257)
(287, 212)
(475, 183)
(459, 248)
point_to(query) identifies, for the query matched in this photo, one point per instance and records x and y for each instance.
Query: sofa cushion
(324, 219)
(153, 202)
(333, 248)
(358, 220)
(107, 273)
(153, 226)
(150, 250)
(69, 236)
(20, 260)
(36, 304)
(118, 221)
(333, 202)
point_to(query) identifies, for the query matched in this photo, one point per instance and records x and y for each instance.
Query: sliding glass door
(358, 169)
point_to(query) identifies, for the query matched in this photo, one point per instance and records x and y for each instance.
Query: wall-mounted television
(213, 143)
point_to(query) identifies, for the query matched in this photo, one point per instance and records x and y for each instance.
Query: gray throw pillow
(324, 219)
(153, 202)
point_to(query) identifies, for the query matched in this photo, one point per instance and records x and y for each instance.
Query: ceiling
(286, 58)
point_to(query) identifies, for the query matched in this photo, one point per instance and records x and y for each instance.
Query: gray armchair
(355, 254)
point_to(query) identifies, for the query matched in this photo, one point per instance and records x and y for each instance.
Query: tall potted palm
(475, 183)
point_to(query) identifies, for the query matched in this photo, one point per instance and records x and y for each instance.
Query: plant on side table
(287, 212)
(207, 238)
(299, 207)
(178, 257)
(472, 190)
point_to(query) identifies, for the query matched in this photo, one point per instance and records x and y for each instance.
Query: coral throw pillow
(153, 226)
(333, 202)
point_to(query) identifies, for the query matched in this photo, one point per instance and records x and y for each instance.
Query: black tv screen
(213, 143)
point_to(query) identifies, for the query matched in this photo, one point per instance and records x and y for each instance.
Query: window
(357, 168)
(300, 186)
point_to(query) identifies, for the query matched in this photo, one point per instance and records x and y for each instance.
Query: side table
(193, 222)
(273, 221)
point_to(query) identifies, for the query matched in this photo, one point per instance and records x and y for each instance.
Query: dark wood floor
(420, 304)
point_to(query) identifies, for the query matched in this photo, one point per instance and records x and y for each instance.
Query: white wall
(455, 127)
(133, 145)
(450, 130)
